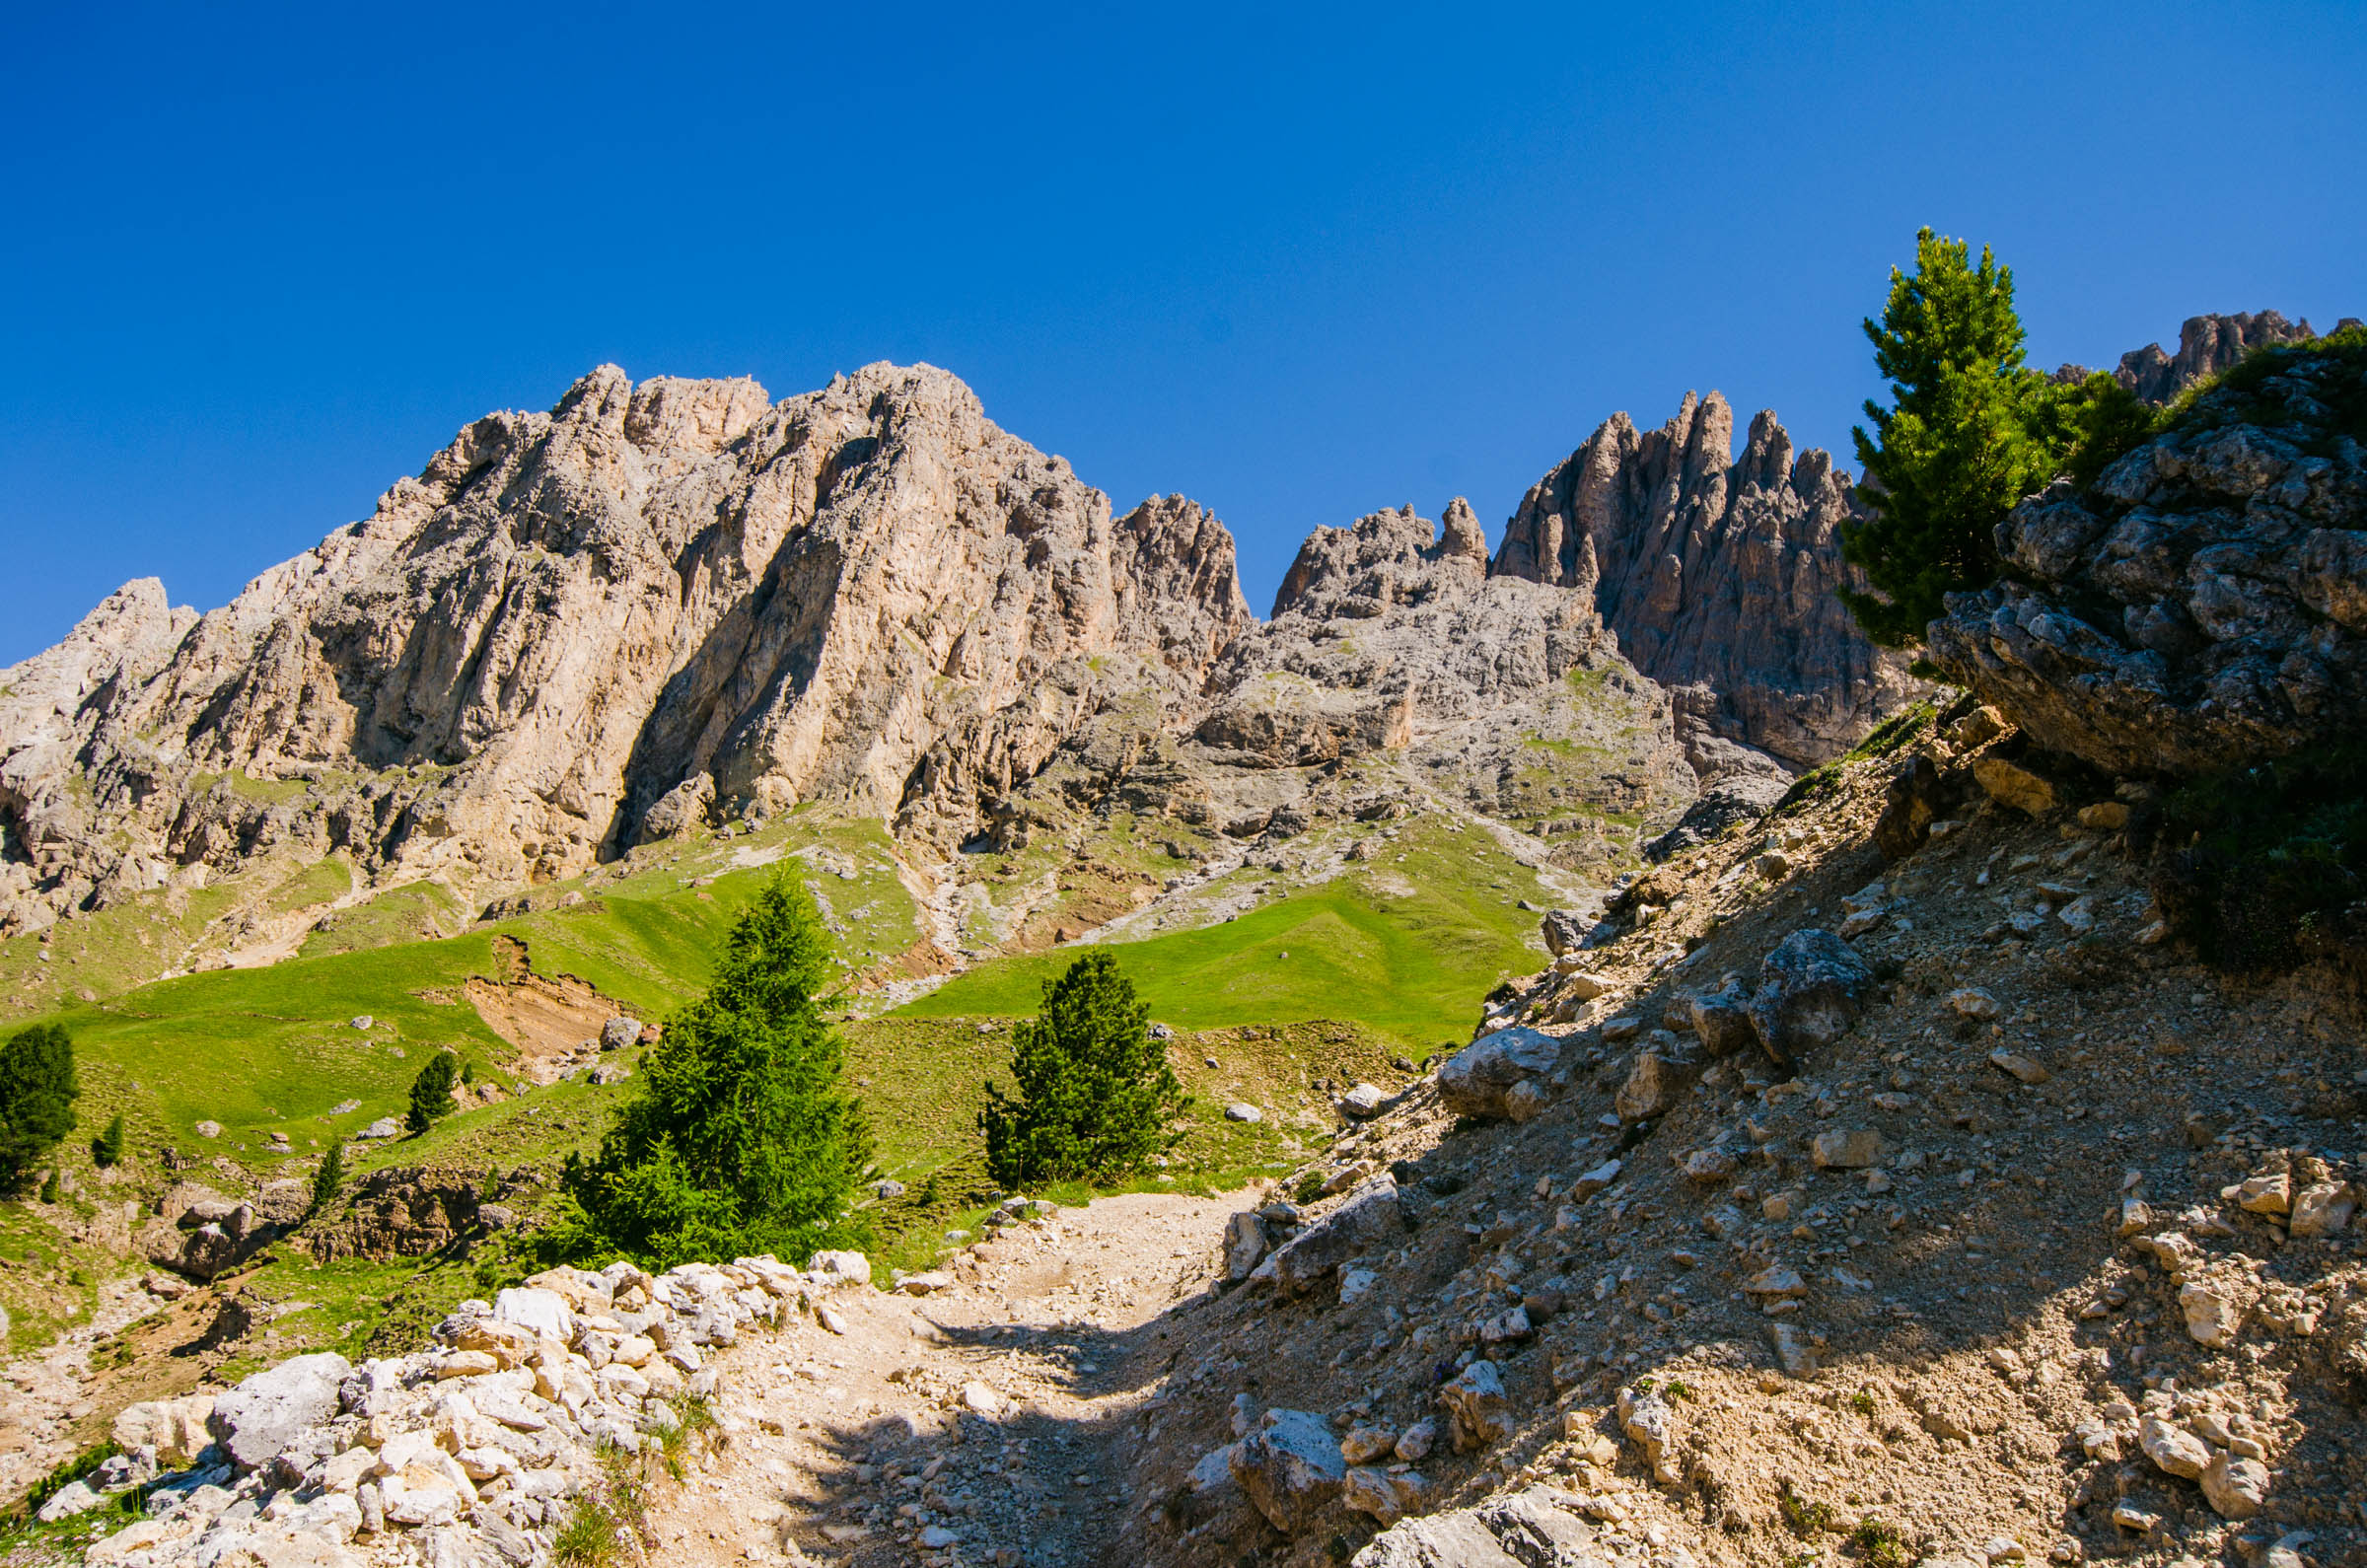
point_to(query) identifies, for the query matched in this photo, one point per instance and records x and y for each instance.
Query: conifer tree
(740, 1136)
(107, 1147)
(328, 1179)
(38, 1090)
(431, 1092)
(1093, 1093)
(1970, 431)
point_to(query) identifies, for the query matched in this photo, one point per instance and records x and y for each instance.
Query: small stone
(210, 1129)
(1481, 1410)
(1795, 1352)
(2322, 1209)
(2235, 1488)
(1709, 1167)
(1357, 1284)
(1775, 1284)
(1363, 1100)
(1290, 1467)
(2213, 1318)
(1417, 1441)
(363, 1022)
(936, 1537)
(1975, 1003)
(1365, 1444)
(1242, 1111)
(2269, 1192)
(2108, 815)
(2010, 784)
(2020, 1067)
(926, 1283)
(1595, 1180)
(2173, 1449)
(981, 1399)
(1850, 1149)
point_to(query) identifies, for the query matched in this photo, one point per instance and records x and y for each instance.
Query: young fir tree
(740, 1137)
(38, 1090)
(1094, 1095)
(1972, 431)
(49, 1186)
(107, 1147)
(431, 1092)
(328, 1179)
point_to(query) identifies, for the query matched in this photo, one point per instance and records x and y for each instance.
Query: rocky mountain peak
(1719, 576)
(1382, 559)
(2206, 345)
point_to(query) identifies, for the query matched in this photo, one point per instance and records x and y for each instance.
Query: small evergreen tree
(1972, 430)
(328, 1179)
(107, 1147)
(1094, 1095)
(38, 1090)
(739, 1137)
(431, 1092)
(49, 1186)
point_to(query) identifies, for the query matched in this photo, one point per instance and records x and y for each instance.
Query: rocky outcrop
(1718, 576)
(2202, 603)
(2206, 345)
(654, 605)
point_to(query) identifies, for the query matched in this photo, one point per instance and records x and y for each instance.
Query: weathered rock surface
(1718, 575)
(2206, 345)
(263, 1414)
(574, 616)
(2202, 605)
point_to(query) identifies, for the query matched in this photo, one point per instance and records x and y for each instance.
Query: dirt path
(975, 1425)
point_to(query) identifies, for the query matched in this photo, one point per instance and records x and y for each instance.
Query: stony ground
(990, 1414)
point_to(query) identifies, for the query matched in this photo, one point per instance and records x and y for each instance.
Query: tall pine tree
(1972, 431)
(740, 1137)
(38, 1090)
(1094, 1095)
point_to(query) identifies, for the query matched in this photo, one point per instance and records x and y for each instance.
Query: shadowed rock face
(1719, 577)
(567, 618)
(2202, 605)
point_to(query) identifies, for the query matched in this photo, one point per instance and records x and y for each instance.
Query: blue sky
(1297, 262)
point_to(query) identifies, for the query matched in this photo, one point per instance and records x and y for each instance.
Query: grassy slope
(1405, 945)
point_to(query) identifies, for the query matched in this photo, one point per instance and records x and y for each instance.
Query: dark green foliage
(38, 1090)
(1094, 1097)
(326, 1179)
(49, 1186)
(431, 1092)
(2267, 864)
(107, 1147)
(1972, 431)
(740, 1137)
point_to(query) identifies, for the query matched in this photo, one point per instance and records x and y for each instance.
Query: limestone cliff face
(671, 598)
(1718, 576)
(2206, 345)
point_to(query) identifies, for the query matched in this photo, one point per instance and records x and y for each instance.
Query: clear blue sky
(1296, 262)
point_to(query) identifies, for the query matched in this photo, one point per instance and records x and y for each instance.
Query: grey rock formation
(263, 1414)
(2206, 345)
(1719, 578)
(2203, 604)
(577, 628)
(1812, 988)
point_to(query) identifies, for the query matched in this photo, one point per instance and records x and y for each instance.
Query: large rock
(1290, 1466)
(2202, 605)
(1368, 1218)
(1479, 1079)
(265, 1413)
(1480, 1408)
(1539, 1527)
(1812, 988)
(1718, 575)
(175, 1428)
